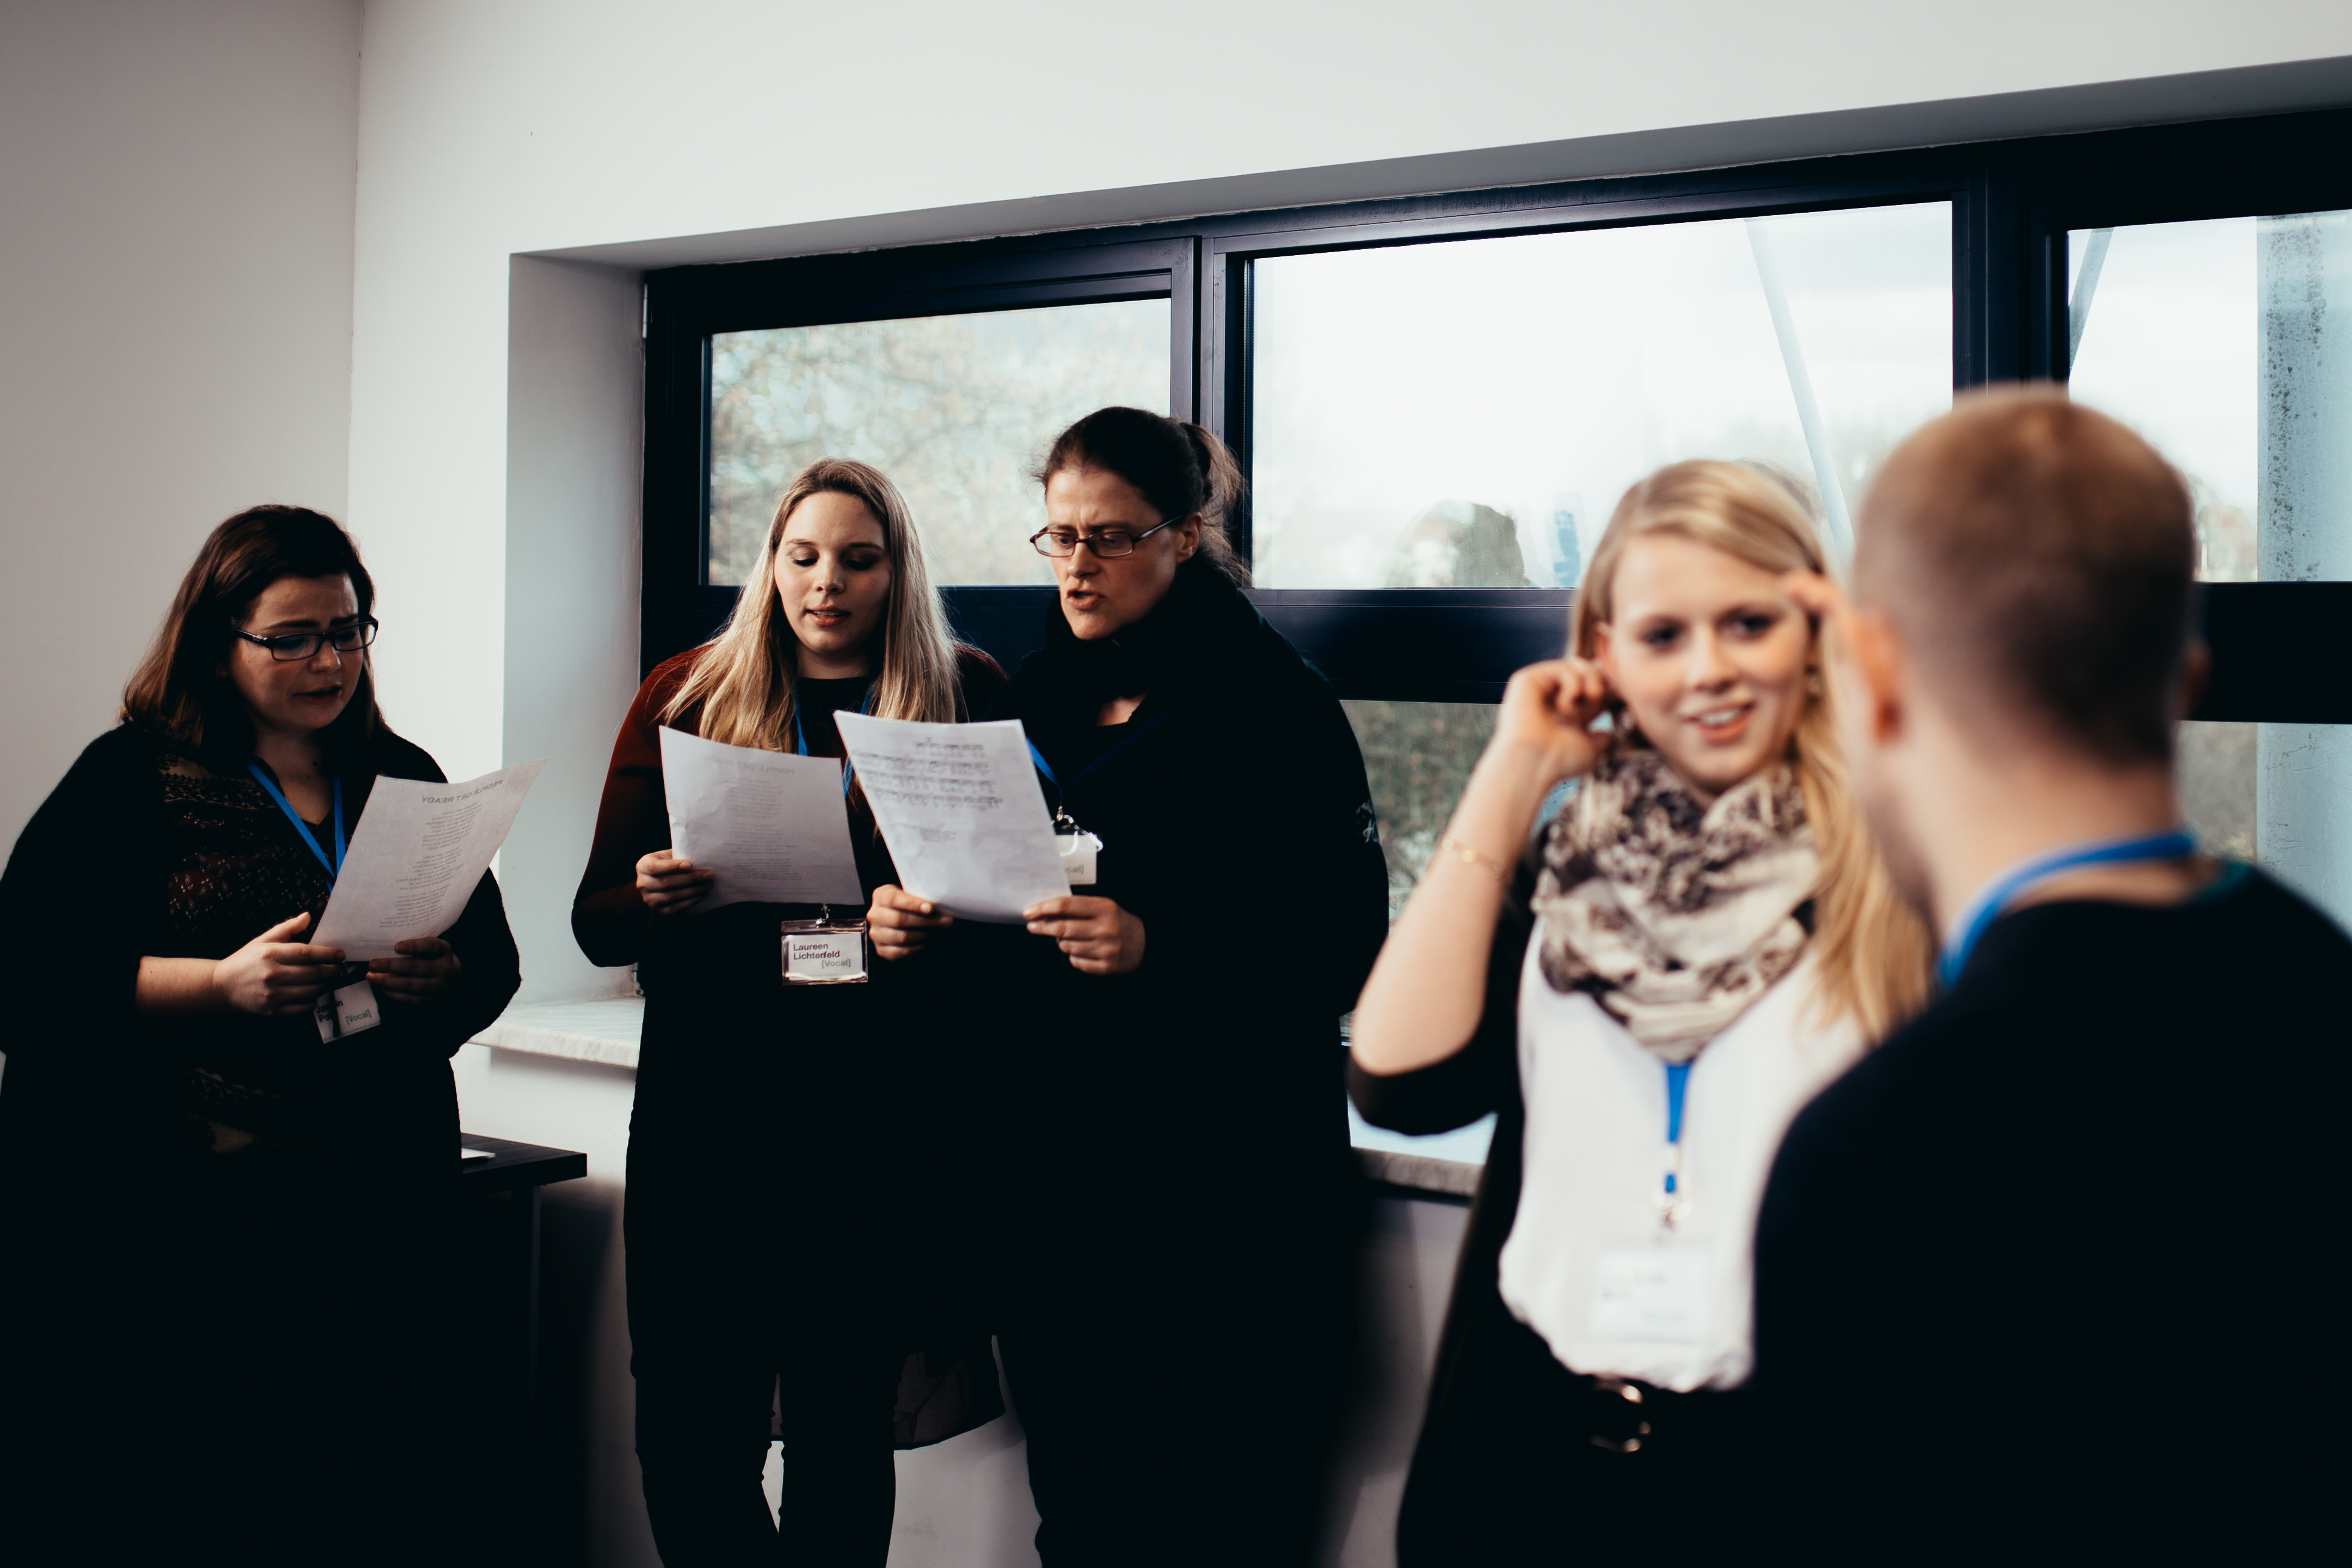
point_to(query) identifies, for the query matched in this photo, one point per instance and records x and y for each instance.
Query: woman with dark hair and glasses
(1171, 1183)
(203, 1187)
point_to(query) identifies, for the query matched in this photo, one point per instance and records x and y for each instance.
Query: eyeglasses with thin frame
(1108, 543)
(287, 647)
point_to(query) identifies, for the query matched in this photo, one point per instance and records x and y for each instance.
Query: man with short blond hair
(2047, 1270)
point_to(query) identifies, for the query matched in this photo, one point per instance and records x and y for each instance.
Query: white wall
(576, 392)
(177, 188)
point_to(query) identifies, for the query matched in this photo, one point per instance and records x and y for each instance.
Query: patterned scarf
(1674, 916)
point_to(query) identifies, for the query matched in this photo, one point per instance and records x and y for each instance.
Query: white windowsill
(605, 1030)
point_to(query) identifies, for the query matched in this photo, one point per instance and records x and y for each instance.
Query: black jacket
(1481, 1077)
(2055, 1264)
(139, 834)
(1237, 825)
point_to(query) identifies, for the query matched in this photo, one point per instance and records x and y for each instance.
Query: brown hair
(181, 690)
(1181, 469)
(1873, 951)
(2039, 558)
(744, 679)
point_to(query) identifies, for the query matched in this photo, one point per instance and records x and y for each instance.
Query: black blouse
(183, 862)
(1236, 825)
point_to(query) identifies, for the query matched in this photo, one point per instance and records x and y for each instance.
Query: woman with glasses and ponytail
(208, 1181)
(776, 1248)
(1168, 1173)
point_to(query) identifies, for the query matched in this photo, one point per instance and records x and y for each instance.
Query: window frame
(2012, 203)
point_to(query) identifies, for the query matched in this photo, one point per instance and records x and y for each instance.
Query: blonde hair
(1873, 951)
(744, 678)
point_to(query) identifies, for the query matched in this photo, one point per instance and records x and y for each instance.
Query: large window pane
(1466, 414)
(1418, 756)
(955, 409)
(2228, 344)
(2217, 786)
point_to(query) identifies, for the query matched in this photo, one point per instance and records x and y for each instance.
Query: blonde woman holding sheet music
(777, 1128)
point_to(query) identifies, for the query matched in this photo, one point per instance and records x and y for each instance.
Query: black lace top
(182, 862)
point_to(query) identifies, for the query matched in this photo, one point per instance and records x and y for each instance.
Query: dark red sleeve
(608, 917)
(979, 679)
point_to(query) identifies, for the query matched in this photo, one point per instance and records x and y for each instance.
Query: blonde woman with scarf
(1645, 991)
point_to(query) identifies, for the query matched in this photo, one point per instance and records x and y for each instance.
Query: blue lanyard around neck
(1998, 894)
(1062, 791)
(334, 867)
(800, 736)
(1677, 1085)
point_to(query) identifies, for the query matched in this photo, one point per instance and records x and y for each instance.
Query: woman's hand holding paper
(1100, 937)
(272, 973)
(670, 886)
(423, 965)
(898, 921)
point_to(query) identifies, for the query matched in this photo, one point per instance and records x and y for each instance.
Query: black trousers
(1523, 1461)
(1180, 1361)
(193, 1372)
(754, 1282)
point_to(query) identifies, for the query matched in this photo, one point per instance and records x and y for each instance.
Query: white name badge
(824, 956)
(1649, 1291)
(1078, 851)
(347, 1011)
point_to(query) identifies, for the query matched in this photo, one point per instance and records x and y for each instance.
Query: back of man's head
(2036, 558)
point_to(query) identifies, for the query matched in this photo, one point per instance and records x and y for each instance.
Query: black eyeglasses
(1108, 543)
(287, 647)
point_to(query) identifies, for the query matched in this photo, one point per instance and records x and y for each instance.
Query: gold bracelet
(1470, 856)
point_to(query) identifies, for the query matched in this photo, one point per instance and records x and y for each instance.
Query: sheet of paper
(415, 855)
(959, 806)
(773, 826)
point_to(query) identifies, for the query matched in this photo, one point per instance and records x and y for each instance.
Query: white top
(1595, 1166)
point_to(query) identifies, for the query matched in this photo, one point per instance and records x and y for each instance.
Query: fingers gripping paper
(416, 855)
(959, 808)
(771, 825)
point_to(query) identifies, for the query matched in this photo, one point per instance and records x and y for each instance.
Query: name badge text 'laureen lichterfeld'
(820, 954)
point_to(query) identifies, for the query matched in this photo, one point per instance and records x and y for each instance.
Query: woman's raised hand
(898, 922)
(1549, 708)
(670, 886)
(425, 965)
(271, 974)
(1100, 937)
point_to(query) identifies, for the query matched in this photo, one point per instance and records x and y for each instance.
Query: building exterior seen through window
(1418, 757)
(2228, 344)
(1466, 415)
(2214, 340)
(955, 409)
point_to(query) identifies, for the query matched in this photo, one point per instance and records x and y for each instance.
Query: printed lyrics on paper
(960, 808)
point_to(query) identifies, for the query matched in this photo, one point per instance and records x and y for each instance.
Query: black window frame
(2012, 204)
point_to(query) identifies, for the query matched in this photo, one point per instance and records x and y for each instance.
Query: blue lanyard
(1997, 895)
(800, 737)
(1677, 1085)
(1063, 790)
(334, 867)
